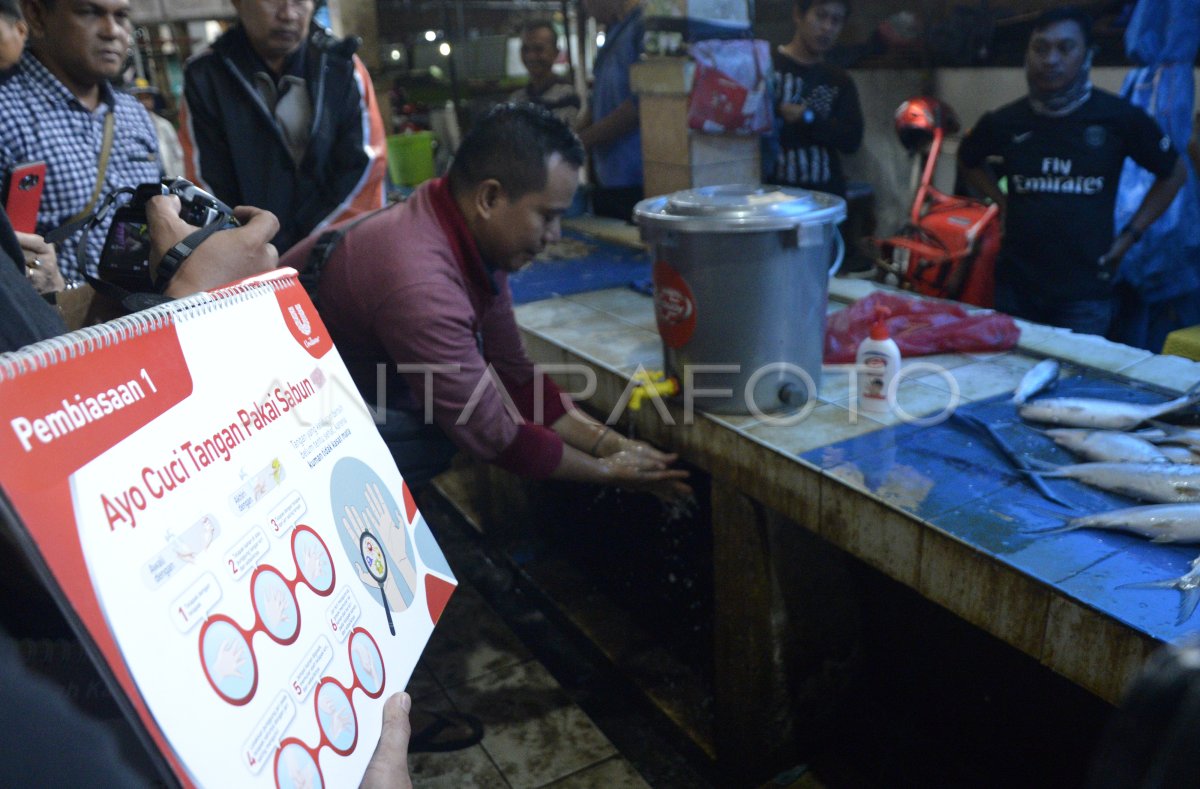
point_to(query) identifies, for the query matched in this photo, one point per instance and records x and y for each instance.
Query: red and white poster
(213, 499)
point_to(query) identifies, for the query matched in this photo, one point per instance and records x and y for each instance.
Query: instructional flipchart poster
(213, 499)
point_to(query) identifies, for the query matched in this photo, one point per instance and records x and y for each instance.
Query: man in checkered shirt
(53, 109)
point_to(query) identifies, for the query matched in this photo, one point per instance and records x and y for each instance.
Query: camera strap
(90, 222)
(80, 219)
(323, 249)
(176, 255)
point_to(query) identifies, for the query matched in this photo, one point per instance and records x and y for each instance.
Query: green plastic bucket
(410, 158)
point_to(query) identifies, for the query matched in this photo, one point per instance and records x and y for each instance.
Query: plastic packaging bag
(1163, 36)
(730, 94)
(919, 327)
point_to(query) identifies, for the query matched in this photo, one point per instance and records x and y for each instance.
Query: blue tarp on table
(975, 495)
(596, 266)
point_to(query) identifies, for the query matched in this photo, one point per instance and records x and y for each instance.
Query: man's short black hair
(803, 5)
(11, 9)
(538, 24)
(1067, 13)
(511, 144)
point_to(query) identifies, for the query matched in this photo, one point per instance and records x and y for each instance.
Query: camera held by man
(125, 259)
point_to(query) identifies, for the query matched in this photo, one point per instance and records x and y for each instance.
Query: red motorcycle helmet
(917, 118)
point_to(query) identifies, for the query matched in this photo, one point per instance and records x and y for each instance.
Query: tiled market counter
(933, 506)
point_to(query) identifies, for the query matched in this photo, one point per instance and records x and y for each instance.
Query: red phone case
(24, 196)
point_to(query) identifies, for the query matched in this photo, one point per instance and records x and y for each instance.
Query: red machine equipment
(949, 247)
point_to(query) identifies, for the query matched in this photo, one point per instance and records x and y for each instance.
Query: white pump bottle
(878, 360)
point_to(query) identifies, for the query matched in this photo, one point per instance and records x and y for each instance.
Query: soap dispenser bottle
(878, 360)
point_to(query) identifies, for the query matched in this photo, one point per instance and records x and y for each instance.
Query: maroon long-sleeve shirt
(408, 286)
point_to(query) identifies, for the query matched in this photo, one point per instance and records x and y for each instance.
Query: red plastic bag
(716, 101)
(919, 327)
(729, 90)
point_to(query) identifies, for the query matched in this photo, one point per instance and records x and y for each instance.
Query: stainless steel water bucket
(741, 278)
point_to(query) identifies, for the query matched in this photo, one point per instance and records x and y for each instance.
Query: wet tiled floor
(533, 734)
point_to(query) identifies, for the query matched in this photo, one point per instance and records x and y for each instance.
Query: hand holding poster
(209, 495)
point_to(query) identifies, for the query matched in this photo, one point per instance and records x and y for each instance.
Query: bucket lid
(740, 208)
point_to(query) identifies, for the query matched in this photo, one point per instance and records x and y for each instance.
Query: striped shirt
(41, 120)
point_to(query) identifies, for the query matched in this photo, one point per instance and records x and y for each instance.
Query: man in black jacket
(285, 121)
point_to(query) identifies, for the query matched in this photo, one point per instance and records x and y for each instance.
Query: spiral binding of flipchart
(93, 338)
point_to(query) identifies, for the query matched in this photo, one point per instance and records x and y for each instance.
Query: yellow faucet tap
(649, 381)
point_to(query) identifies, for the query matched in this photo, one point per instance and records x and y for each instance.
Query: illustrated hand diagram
(299, 771)
(183, 550)
(379, 520)
(230, 659)
(366, 656)
(207, 533)
(277, 607)
(192, 543)
(314, 562)
(339, 719)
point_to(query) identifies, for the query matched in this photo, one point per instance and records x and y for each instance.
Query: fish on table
(1098, 413)
(1157, 482)
(1107, 446)
(1128, 464)
(1037, 378)
(1155, 522)
(1175, 435)
(1179, 454)
(1188, 585)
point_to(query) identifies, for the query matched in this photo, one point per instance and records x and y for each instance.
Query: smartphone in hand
(24, 196)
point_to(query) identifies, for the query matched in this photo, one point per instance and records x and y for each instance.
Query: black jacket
(233, 146)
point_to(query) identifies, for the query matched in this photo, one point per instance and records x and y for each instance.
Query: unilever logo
(300, 319)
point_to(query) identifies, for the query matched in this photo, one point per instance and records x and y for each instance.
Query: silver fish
(1188, 585)
(1176, 454)
(1037, 378)
(1176, 434)
(1156, 522)
(1158, 482)
(1106, 446)
(1103, 414)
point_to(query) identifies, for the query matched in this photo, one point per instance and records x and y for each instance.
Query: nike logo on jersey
(1022, 137)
